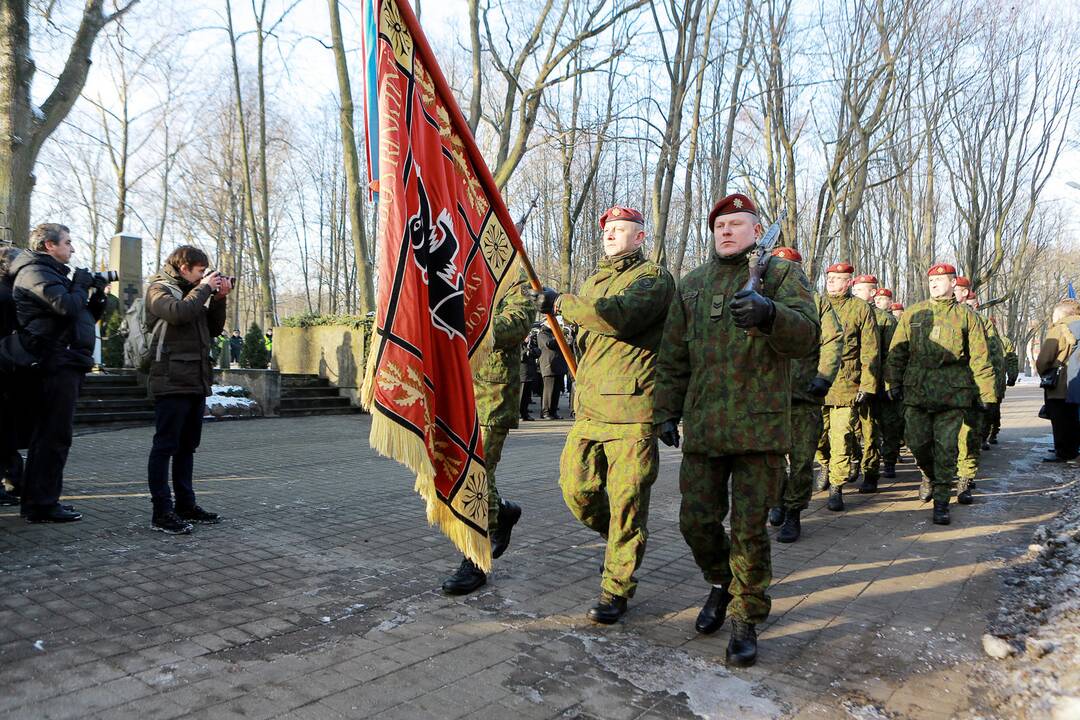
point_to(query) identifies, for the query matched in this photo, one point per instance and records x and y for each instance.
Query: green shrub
(112, 342)
(255, 354)
(303, 320)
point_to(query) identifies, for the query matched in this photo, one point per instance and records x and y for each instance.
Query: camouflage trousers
(806, 427)
(934, 439)
(973, 432)
(493, 438)
(837, 445)
(606, 473)
(743, 563)
(868, 440)
(892, 431)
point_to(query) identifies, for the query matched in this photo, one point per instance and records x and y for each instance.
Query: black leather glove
(82, 277)
(752, 310)
(543, 300)
(896, 394)
(862, 398)
(818, 387)
(668, 432)
(100, 282)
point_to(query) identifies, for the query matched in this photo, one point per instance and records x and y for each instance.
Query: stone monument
(125, 256)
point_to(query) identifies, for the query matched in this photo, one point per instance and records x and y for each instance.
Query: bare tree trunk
(24, 126)
(352, 166)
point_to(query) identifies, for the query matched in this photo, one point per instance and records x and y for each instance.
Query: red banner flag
(447, 251)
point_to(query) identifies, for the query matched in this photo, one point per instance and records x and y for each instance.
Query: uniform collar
(947, 300)
(622, 262)
(740, 259)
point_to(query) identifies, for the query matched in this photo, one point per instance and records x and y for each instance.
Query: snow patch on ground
(1037, 631)
(713, 693)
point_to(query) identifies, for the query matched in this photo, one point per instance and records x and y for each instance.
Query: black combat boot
(986, 445)
(792, 528)
(713, 611)
(509, 514)
(993, 438)
(963, 487)
(941, 512)
(821, 483)
(608, 609)
(742, 647)
(853, 474)
(776, 516)
(467, 578)
(7, 498)
(868, 486)
(836, 498)
(925, 492)
(889, 471)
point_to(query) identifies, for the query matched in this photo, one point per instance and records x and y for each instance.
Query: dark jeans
(549, 402)
(57, 389)
(1065, 421)
(179, 421)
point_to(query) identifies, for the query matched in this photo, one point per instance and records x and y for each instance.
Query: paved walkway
(317, 597)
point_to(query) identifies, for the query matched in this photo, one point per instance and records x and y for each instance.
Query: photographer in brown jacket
(1052, 361)
(192, 303)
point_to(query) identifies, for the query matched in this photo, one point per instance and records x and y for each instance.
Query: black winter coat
(552, 363)
(530, 351)
(55, 312)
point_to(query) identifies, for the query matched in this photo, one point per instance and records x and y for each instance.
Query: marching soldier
(724, 369)
(976, 421)
(939, 366)
(811, 377)
(892, 414)
(610, 459)
(870, 434)
(1006, 379)
(854, 386)
(497, 387)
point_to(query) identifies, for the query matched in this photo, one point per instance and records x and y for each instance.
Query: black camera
(230, 278)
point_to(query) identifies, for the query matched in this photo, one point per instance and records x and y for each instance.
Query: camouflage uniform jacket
(859, 369)
(997, 355)
(1012, 360)
(887, 328)
(620, 317)
(733, 388)
(824, 362)
(497, 383)
(940, 357)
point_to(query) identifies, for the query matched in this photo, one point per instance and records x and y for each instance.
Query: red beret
(621, 213)
(962, 281)
(897, 306)
(865, 279)
(941, 269)
(841, 267)
(788, 254)
(883, 292)
(734, 203)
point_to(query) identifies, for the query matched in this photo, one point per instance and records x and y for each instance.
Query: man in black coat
(11, 409)
(530, 373)
(552, 368)
(57, 316)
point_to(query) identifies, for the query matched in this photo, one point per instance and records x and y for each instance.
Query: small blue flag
(1070, 292)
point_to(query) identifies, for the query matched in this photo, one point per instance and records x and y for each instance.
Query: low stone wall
(263, 386)
(335, 352)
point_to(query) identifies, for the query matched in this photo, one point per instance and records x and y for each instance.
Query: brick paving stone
(317, 596)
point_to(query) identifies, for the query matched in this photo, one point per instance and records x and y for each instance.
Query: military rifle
(991, 303)
(759, 257)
